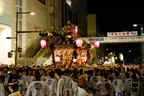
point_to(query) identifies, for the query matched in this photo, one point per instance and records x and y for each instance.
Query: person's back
(2, 90)
(72, 86)
(80, 90)
(23, 83)
(118, 85)
(67, 80)
(61, 84)
(52, 84)
(105, 86)
(38, 88)
(93, 85)
(141, 80)
(127, 84)
(135, 86)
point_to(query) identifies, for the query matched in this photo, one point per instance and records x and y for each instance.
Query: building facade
(50, 15)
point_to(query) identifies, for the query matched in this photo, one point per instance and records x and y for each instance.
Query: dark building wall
(77, 14)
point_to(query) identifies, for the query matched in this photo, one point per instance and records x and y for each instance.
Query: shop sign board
(128, 33)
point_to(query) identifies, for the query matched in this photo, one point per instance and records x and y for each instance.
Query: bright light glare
(135, 25)
(92, 46)
(32, 13)
(68, 2)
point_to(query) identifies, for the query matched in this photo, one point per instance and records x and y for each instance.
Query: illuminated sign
(93, 39)
(129, 33)
(126, 38)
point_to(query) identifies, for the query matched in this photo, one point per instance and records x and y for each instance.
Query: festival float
(70, 49)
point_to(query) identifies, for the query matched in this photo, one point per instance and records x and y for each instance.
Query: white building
(49, 15)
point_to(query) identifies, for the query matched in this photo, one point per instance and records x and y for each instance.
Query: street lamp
(16, 43)
(135, 25)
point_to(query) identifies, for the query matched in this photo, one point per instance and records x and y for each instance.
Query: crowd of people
(49, 81)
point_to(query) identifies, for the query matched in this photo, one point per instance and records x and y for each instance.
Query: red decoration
(43, 43)
(96, 43)
(57, 59)
(75, 30)
(84, 59)
(79, 42)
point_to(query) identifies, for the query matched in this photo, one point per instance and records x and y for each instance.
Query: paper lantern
(84, 59)
(79, 42)
(75, 30)
(57, 59)
(96, 43)
(43, 43)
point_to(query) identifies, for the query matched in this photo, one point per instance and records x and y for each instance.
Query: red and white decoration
(131, 33)
(43, 43)
(84, 59)
(79, 42)
(96, 43)
(75, 30)
(57, 59)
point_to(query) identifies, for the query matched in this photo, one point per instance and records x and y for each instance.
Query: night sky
(116, 17)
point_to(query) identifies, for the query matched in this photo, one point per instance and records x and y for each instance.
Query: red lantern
(43, 43)
(75, 30)
(96, 43)
(84, 59)
(79, 42)
(57, 59)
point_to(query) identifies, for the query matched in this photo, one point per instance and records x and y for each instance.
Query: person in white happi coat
(80, 90)
(44, 76)
(118, 85)
(127, 84)
(52, 83)
(61, 91)
(93, 83)
(73, 85)
(2, 79)
(23, 83)
(2, 90)
(106, 88)
(67, 80)
(38, 87)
